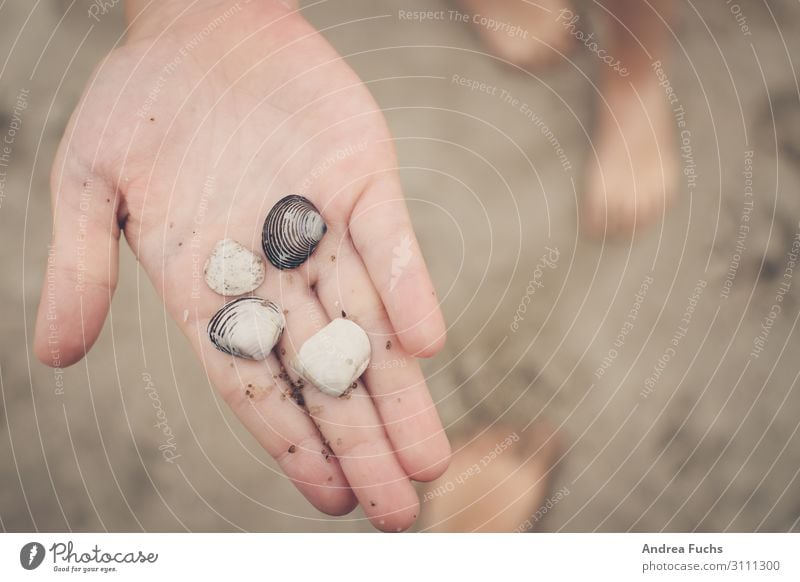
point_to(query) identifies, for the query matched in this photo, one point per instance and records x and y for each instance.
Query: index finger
(384, 238)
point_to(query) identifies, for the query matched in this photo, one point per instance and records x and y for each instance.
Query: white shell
(334, 357)
(248, 327)
(232, 269)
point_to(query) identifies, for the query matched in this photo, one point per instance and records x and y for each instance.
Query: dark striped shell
(248, 327)
(292, 231)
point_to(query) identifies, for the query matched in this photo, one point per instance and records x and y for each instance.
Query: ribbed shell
(292, 231)
(248, 327)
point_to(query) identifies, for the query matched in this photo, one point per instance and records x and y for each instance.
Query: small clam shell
(232, 269)
(292, 231)
(334, 357)
(248, 327)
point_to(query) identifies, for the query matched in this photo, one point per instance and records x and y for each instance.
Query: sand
(673, 424)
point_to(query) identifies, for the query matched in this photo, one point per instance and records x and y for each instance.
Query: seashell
(292, 231)
(231, 269)
(248, 327)
(334, 357)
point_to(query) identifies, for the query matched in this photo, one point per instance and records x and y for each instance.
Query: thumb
(82, 265)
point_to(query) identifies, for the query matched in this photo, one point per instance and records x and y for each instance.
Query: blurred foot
(494, 483)
(527, 35)
(634, 174)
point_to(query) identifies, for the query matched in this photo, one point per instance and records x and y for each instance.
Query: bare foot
(494, 483)
(525, 34)
(633, 176)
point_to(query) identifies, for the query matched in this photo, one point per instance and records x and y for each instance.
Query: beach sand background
(706, 440)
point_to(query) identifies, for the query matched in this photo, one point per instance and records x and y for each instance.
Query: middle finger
(351, 426)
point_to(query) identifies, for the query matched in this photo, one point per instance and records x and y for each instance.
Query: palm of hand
(187, 138)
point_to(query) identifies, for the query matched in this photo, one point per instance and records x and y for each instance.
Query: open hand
(188, 134)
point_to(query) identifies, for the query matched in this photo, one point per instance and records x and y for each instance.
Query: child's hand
(189, 134)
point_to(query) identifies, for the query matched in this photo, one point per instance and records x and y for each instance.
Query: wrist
(148, 17)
